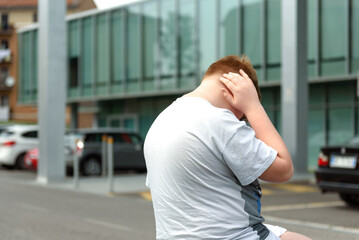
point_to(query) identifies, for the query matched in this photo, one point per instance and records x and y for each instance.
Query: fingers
(228, 82)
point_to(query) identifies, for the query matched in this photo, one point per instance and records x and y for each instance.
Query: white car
(15, 141)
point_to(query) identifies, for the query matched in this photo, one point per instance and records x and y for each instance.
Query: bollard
(103, 154)
(110, 163)
(76, 165)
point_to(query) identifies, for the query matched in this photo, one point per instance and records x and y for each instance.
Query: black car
(338, 171)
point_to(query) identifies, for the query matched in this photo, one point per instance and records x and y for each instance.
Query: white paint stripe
(313, 225)
(303, 206)
(106, 224)
(34, 208)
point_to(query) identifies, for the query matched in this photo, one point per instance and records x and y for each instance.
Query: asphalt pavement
(30, 210)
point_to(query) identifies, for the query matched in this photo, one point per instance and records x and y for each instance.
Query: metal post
(52, 89)
(103, 154)
(76, 165)
(294, 87)
(110, 163)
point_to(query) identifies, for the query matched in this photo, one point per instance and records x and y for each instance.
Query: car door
(125, 151)
(29, 140)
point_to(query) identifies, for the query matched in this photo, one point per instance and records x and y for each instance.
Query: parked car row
(19, 149)
(338, 171)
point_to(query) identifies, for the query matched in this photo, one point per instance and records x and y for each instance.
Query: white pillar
(51, 89)
(294, 87)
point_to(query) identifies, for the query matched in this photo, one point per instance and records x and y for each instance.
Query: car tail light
(9, 143)
(323, 160)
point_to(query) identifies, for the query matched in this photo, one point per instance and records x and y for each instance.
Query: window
(87, 56)
(133, 49)
(187, 64)
(273, 40)
(31, 134)
(229, 26)
(34, 17)
(355, 36)
(4, 100)
(168, 44)
(207, 34)
(74, 66)
(341, 114)
(150, 43)
(333, 37)
(4, 21)
(118, 48)
(3, 76)
(4, 44)
(251, 32)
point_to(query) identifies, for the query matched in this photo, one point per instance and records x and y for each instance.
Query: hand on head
(240, 91)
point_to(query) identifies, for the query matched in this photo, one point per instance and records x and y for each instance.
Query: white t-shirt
(203, 164)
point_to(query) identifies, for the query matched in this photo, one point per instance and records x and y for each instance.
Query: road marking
(303, 206)
(313, 225)
(34, 208)
(106, 224)
(294, 188)
(266, 192)
(146, 195)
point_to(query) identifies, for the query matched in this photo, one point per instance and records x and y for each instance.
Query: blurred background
(128, 60)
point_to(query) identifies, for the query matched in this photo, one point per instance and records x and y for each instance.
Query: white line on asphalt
(303, 206)
(313, 225)
(34, 208)
(106, 224)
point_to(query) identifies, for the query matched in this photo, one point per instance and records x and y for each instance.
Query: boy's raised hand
(241, 92)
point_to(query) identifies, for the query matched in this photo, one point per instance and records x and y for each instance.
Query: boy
(204, 163)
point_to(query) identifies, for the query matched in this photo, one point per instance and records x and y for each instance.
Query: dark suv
(127, 150)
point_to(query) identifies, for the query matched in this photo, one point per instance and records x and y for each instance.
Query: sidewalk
(123, 184)
(130, 183)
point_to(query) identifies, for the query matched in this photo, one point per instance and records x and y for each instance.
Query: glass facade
(139, 53)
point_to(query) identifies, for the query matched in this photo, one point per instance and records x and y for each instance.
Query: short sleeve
(247, 156)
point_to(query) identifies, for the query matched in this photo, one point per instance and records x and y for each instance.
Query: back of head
(233, 63)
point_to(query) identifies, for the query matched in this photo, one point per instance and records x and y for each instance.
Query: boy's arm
(242, 95)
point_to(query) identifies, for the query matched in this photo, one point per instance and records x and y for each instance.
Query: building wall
(134, 61)
(21, 18)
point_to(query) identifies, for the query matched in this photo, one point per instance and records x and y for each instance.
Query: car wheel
(350, 199)
(20, 162)
(91, 166)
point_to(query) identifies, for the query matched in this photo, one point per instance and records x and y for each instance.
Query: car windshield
(354, 142)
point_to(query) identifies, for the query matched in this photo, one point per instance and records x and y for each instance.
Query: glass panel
(118, 65)
(229, 26)
(274, 40)
(355, 34)
(73, 32)
(187, 43)
(341, 93)
(268, 102)
(316, 135)
(207, 34)
(133, 49)
(252, 31)
(129, 123)
(333, 32)
(317, 94)
(311, 33)
(341, 126)
(150, 41)
(34, 66)
(168, 44)
(87, 53)
(102, 55)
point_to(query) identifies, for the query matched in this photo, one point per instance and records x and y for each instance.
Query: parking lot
(59, 211)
